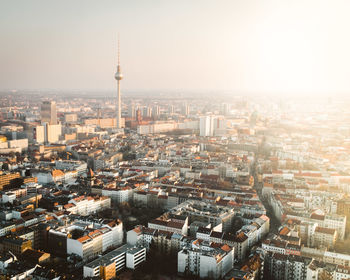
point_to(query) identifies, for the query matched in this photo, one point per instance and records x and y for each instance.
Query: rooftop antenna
(118, 50)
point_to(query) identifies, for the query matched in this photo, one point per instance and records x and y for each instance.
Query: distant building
(39, 134)
(185, 110)
(171, 110)
(105, 123)
(48, 112)
(157, 127)
(70, 118)
(47, 133)
(131, 111)
(52, 133)
(206, 126)
(147, 112)
(212, 126)
(156, 111)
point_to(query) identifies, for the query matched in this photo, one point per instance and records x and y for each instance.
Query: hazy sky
(244, 46)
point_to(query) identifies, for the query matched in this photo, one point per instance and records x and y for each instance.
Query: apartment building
(203, 260)
(107, 266)
(324, 237)
(87, 205)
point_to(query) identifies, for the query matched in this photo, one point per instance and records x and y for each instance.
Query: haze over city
(280, 47)
(177, 140)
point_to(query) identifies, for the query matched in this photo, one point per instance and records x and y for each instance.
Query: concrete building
(52, 132)
(16, 245)
(170, 225)
(324, 237)
(47, 133)
(342, 272)
(203, 260)
(206, 126)
(85, 238)
(107, 266)
(204, 212)
(48, 112)
(70, 118)
(87, 205)
(157, 127)
(39, 134)
(285, 267)
(118, 195)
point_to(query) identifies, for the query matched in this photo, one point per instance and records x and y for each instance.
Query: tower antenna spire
(118, 50)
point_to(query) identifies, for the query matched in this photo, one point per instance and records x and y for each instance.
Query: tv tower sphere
(118, 75)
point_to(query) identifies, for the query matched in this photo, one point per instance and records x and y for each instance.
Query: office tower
(48, 112)
(52, 133)
(156, 111)
(147, 112)
(47, 133)
(39, 134)
(207, 125)
(225, 109)
(119, 76)
(171, 109)
(185, 110)
(131, 111)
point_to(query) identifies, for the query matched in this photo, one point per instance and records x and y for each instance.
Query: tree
(5, 166)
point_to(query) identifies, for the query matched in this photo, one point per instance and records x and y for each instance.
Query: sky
(260, 46)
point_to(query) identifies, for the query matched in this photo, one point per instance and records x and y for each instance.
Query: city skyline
(271, 47)
(223, 154)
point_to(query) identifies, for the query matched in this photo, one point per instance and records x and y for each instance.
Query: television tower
(119, 76)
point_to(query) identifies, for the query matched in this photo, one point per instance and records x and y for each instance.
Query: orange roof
(83, 238)
(226, 248)
(57, 173)
(69, 205)
(284, 231)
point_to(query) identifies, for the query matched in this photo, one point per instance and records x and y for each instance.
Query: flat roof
(106, 259)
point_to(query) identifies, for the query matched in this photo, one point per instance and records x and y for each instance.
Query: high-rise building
(47, 133)
(147, 112)
(185, 110)
(171, 109)
(52, 133)
(48, 112)
(39, 134)
(119, 76)
(156, 111)
(207, 125)
(131, 111)
(225, 109)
